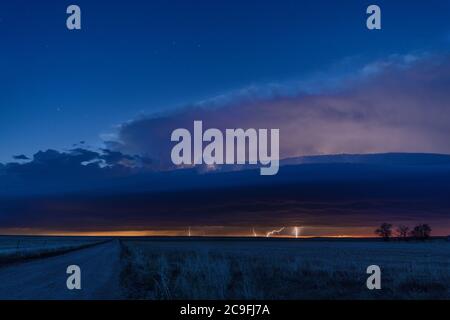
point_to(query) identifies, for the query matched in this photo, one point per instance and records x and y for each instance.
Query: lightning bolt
(296, 231)
(189, 231)
(254, 233)
(271, 233)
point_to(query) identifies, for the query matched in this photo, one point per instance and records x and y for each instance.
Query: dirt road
(46, 278)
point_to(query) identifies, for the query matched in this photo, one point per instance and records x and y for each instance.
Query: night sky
(112, 92)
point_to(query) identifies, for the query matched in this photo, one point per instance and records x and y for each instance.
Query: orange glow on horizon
(200, 232)
(303, 232)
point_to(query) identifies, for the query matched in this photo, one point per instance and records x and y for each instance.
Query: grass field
(17, 248)
(283, 269)
(236, 268)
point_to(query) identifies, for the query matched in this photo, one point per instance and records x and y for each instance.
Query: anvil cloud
(396, 105)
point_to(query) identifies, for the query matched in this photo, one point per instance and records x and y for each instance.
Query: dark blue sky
(58, 87)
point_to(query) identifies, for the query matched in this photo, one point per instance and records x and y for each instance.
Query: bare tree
(422, 231)
(402, 231)
(384, 231)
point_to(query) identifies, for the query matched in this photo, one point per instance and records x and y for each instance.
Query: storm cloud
(396, 105)
(388, 106)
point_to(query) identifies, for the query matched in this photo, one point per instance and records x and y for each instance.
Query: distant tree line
(419, 232)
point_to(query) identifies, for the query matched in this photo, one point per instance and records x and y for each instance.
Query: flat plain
(223, 268)
(283, 269)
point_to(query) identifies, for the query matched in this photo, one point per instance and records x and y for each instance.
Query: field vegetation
(283, 269)
(19, 248)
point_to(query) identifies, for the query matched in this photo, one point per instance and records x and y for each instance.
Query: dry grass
(283, 270)
(19, 248)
